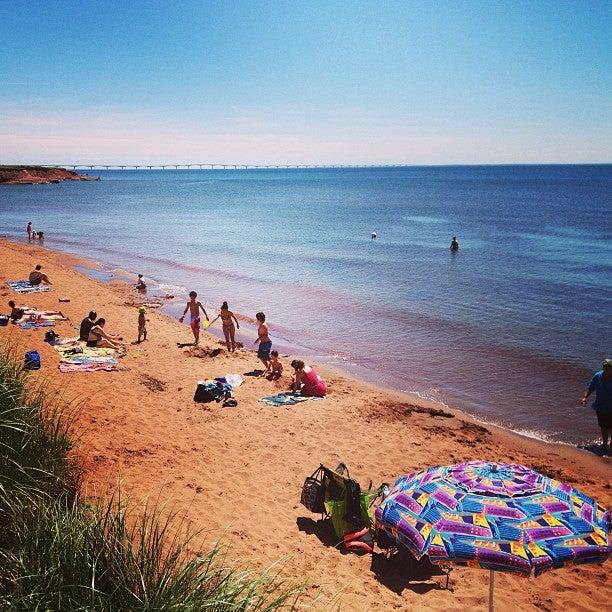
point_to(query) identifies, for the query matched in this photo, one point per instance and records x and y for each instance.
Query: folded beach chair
(336, 495)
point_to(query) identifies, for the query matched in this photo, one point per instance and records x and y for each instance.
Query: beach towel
(24, 286)
(45, 315)
(287, 399)
(89, 367)
(32, 324)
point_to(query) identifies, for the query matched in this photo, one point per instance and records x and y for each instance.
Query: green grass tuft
(59, 552)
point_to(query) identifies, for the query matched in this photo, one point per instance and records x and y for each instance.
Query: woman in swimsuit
(98, 338)
(227, 317)
(307, 380)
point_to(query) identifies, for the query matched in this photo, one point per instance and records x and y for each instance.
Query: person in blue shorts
(601, 384)
(265, 344)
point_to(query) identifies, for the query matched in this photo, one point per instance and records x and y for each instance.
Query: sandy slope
(237, 472)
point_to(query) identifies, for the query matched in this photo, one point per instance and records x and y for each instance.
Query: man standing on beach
(265, 344)
(601, 383)
(194, 308)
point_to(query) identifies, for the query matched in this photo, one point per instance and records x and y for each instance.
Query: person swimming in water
(194, 308)
(229, 330)
(454, 246)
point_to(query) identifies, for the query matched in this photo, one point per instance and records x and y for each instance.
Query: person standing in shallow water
(29, 230)
(454, 247)
(601, 384)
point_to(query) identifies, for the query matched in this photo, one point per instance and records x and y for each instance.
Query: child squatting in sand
(276, 367)
(194, 308)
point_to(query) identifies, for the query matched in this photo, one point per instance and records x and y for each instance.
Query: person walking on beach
(229, 331)
(37, 277)
(194, 308)
(142, 324)
(265, 344)
(601, 384)
(454, 247)
(29, 230)
(86, 324)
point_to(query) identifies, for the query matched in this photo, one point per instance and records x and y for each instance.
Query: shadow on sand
(397, 571)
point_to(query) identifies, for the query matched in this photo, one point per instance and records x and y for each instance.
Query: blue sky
(305, 82)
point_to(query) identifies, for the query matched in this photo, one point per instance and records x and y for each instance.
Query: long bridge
(208, 166)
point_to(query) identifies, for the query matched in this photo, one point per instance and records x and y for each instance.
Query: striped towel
(24, 286)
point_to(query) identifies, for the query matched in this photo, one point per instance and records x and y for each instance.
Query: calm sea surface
(510, 328)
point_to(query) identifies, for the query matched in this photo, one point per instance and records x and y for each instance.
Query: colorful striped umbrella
(503, 517)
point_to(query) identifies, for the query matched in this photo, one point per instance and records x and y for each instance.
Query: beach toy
(205, 324)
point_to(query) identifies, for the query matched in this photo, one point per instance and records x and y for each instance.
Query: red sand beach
(237, 472)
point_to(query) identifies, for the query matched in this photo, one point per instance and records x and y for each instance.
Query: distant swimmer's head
(297, 364)
(92, 315)
(224, 306)
(101, 322)
(260, 316)
(38, 267)
(607, 364)
(193, 294)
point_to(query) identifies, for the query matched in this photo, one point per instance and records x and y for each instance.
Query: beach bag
(32, 361)
(3, 321)
(313, 492)
(203, 394)
(50, 336)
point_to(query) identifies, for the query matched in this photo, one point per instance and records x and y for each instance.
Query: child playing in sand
(276, 367)
(194, 308)
(265, 344)
(142, 324)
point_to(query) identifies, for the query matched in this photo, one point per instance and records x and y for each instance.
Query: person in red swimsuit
(307, 380)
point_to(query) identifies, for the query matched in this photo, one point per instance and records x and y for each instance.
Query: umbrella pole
(491, 587)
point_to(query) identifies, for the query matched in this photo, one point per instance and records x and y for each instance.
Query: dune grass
(59, 552)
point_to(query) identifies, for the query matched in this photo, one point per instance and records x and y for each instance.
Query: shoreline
(237, 473)
(110, 272)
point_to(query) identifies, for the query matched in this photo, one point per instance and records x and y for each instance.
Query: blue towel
(287, 399)
(24, 286)
(32, 324)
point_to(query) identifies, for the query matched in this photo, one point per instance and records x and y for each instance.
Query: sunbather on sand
(307, 380)
(194, 308)
(98, 338)
(265, 344)
(37, 277)
(229, 330)
(16, 313)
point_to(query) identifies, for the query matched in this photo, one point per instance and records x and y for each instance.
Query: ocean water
(510, 328)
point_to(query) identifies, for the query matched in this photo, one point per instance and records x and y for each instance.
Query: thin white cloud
(52, 133)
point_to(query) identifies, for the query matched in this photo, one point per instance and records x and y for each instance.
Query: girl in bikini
(227, 318)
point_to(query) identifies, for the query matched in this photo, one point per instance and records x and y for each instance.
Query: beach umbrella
(495, 516)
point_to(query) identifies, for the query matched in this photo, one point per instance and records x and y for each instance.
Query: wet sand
(237, 472)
